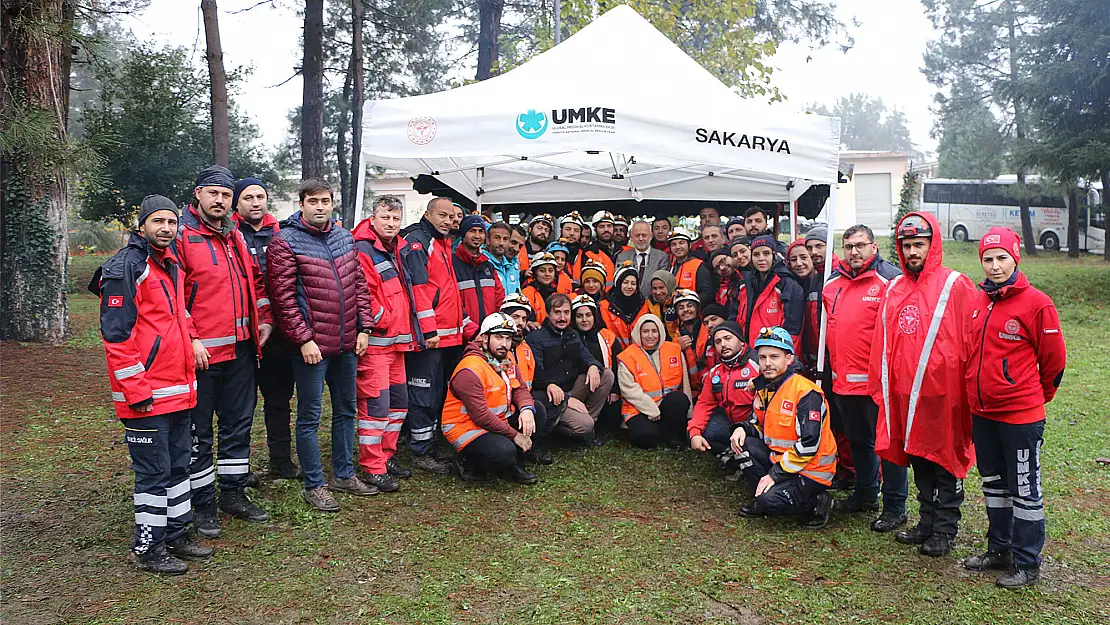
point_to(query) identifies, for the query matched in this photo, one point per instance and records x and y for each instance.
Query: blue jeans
(339, 372)
(860, 415)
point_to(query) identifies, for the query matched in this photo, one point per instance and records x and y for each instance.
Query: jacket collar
(1015, 285)
(193, 219)
(468, 258)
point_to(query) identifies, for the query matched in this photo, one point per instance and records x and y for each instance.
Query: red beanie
(1003, 239)
(796, 243)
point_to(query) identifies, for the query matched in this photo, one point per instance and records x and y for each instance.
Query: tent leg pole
(794, 221)
(360, 191)
(828, 271)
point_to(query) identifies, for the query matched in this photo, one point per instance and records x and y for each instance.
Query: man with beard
(570, 229)
(502, 257)
(542, 285)
(918, 366)
(692, 335)
(620, 233)
(539, 236)
(770, 296)
(816, 241)
(604, 249)
(757, 223)
(725, 400)
(689, 272)
(642, 257)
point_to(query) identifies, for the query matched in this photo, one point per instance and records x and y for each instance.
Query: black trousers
(159, 447)
(860, 415)
(276, 383)
(228, 390)
(671, 426)
(940, 494)
(718, 432)
(1009, 458)
(428, 373)
(795, 495)
(494, 453)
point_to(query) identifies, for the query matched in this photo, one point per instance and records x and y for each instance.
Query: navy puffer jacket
(317, 287)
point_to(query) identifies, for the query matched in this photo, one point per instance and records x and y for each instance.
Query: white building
(871, 195)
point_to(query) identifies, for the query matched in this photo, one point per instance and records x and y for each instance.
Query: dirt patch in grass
(37, 378)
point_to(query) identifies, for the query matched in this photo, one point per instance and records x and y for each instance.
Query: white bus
(966, 209)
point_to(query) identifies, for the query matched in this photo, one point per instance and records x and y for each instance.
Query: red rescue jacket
(778, 301)
(724, 387)
(443, 285)
(480, 289)
(851, 303)
(397, 279)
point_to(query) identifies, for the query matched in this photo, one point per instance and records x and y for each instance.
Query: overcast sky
(884, 62)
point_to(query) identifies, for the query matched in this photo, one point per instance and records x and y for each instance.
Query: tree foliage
(971, 146)
(867, 124)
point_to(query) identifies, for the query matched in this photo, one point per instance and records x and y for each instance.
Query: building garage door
(873, 201)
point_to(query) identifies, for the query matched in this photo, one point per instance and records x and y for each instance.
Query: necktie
(641, 264)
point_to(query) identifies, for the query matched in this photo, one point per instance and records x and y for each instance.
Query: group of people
(497, 338)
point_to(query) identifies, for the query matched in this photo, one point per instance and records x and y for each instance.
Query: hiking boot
(853, 505)
(916, 535)
(990, 561)
(284, 469)
(353, 486)
(843, 482)
(888, 522)
(158, 560)
(251, 480)
(431, 464)
(1019, 578)
(397, 470)
(467, 472)
(819, 518)
(320, 499)
(750, 511)
(594, 439)
(187, 548)
(207, 521)
(234, 502)
(384, 482)
(539, 456)
(735, 476)
(520, 475)
(938, 545)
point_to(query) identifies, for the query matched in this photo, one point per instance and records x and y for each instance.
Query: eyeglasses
(848, 247)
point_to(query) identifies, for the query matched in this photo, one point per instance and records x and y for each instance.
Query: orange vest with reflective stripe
(686, 276)
(691, 356)
(655, 383)
(456, 425)
(539, 307)
(620, 329)
(525, 362)
(780, 430)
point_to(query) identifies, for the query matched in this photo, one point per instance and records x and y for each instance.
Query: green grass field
(613, 535)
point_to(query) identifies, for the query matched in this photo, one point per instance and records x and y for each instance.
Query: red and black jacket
(398, 279)
(145, 331)
(443, 286)
(480, 289)
(776, 300)
(258, 241)
(726, 387)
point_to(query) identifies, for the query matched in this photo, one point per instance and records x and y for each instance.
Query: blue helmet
(775, 337)
(558, 246)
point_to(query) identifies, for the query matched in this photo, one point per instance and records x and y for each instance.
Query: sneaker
(888, 522)
(431, 464)
(819, 518)
(750, 511)
(320, 499)
(938, 545)
(852, 505)
(234, 502)
(990, 561)
(1019, 578)
(187, 548)
(384, 482)
(520, 475)
(284, 469)
(158, 560)
(916, 535)
(397, 470)
(207, 521)
(353, 486)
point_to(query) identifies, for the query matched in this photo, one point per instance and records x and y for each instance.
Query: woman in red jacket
(1017, 361)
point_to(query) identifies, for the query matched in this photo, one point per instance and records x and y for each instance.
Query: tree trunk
(489, 34)
(312, 100)
(1073, 223)
(1019, 131)
(217, 78)
(34, 191)
(358, 96)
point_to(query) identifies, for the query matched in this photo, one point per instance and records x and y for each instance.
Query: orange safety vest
(456, 425)
(686, 275)
(691, 355)
(563, 284)
(536, 301)
(608, 338)
(575, 268)
(622, 330)
(780, 430)
(603, 258)
(655, 383)
(525, 363)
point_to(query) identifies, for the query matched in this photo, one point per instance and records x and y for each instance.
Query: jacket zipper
(192, 296)
(231, 275)
(153, 352)
(1006, 370)
(982, 347)
(342, 305)
(169, 300)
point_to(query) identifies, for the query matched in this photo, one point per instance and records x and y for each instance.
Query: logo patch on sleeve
(814, 415)
(415, 246)
(115, 301)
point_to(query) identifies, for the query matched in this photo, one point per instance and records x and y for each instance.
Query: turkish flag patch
(115, 301)
(787, 406)
(415, 246)
(814, 415)
(674, 360)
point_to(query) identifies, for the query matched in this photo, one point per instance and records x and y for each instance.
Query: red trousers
(382, 413)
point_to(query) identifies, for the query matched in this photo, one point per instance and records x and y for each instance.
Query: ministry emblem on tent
(422, 130)
(532, 124)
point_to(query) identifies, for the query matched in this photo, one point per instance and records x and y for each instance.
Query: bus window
(929, 193)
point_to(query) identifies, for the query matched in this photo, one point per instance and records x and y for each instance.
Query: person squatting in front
(725, 400)
(153, 381)
(654, 386)
(1017, 362)
(488, 416)
(790, 444)
(516, 306)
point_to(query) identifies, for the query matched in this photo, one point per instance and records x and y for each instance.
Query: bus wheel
(1050, 241)
(959, 233)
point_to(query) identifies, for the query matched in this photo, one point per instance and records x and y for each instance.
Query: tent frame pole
(360, 191)
(828, 271)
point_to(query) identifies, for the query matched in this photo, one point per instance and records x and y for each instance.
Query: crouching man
(488, 416)
(791, 447)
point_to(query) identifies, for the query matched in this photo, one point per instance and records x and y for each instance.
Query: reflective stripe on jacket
(457, 426)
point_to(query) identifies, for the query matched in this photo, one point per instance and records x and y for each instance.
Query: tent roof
(616, 112)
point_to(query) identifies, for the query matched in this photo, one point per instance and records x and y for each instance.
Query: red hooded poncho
(918, 362)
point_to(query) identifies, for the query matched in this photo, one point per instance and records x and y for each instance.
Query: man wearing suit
(643, 256)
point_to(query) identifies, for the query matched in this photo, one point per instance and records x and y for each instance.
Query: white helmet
(498, 323)
(686, 295)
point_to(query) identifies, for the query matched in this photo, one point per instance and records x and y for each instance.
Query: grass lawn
(613, 535)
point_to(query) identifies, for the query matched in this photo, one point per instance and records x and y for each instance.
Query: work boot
(320, 499)
(853, 505)
(284, 469)
(384, 482)
(468, 472)
(750, 511)
(888, 522)
(539, 456)
(990, 561)
(819, 518)
(187, 548)
(596, 439)
(353, 486)
(431, 464)
(251, 480)
(938, 545)
(206, 520)
(520, 475)
(158, 560)
(843, 482)
(916, 535)
(234, 502)
(397, 470)
(1019, 578)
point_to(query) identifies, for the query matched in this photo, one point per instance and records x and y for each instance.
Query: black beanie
(242, 186)
(215, 176)
(152, 204)
(734, 328)
(714, 309)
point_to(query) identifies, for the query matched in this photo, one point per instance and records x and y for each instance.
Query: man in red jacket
(1017, 361)
(725, 401)
(480, 288)
(323, 307)
(918, 360)
(146, 342)
(429, 368)
(229, 322)
(396, 277)
(851, 303)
